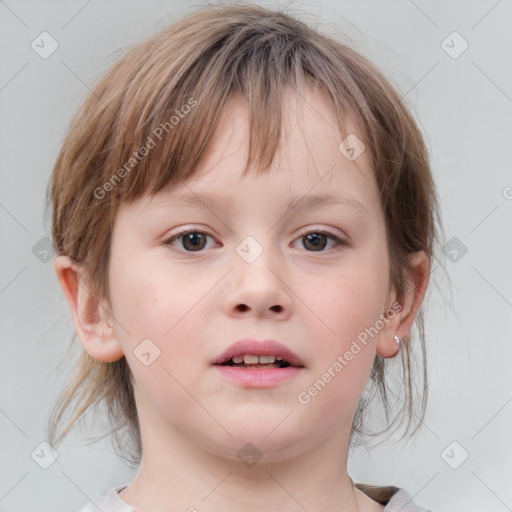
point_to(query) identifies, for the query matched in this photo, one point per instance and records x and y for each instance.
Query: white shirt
(396, 500)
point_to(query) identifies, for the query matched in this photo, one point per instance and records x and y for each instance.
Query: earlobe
(90, 317)
(400, 325)
(388, 345)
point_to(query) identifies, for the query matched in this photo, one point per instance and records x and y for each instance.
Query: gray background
(464, 107)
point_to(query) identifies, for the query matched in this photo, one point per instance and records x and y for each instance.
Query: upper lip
(259, 348)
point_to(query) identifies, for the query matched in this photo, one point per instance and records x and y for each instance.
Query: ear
(401, 322)
(89, 316)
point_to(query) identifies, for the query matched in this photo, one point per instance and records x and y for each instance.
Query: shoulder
(110, 502)
(395, 499)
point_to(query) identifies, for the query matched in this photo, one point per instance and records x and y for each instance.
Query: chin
(268, 439)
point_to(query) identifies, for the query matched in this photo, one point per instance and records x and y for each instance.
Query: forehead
(309, 129)
(308, 162)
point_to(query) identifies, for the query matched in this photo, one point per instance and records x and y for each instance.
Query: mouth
(258, 354)
(258, 364)
(255, 361)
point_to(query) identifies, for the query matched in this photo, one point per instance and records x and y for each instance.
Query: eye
(314, 241)
(192, 240)
(318, 240)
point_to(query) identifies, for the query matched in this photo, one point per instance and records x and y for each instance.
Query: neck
(175, 472)
(183, 470)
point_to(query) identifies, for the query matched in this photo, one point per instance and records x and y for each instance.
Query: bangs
(167, 115)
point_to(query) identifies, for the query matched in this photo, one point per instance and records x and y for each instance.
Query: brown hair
(178, 81)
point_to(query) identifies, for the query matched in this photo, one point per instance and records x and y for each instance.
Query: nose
(258, 289)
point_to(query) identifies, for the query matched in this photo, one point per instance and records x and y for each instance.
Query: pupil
(196, 239)
(318, 240)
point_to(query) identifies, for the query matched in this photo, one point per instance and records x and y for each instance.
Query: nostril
(244, 307)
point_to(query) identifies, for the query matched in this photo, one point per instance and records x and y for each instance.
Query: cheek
(347, 301)
(162, 337)
(343, 357)
(348, 304)
(149, 302)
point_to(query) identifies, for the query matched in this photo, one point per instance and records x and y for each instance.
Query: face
(312, 277)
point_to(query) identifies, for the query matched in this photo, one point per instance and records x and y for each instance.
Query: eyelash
(339, 243)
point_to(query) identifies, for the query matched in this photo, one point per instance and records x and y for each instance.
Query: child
(245, 221)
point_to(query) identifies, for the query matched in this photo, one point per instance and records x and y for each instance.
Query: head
(245, 111)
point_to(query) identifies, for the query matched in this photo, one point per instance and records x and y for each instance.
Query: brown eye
(194, 241)
(320, 241)
(315, 241)
(191, 241)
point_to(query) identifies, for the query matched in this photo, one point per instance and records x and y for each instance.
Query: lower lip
(259, 378)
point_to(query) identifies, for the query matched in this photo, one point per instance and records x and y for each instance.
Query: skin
(193, 305)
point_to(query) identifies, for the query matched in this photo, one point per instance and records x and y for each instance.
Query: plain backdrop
(463, 104)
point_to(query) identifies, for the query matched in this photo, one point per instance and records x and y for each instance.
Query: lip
(260, 348)
(259, 377)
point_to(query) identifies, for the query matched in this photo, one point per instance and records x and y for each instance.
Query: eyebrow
(305, 202)
(308, 202)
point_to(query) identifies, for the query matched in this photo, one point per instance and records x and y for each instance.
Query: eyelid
(185, 231)
(340, 242)
(324, 231)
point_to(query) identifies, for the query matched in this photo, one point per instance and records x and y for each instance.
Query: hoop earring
(398, 342)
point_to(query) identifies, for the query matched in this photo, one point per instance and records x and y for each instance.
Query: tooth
(279, 358)
(266, 359)
(250, 359)
(238, 359)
